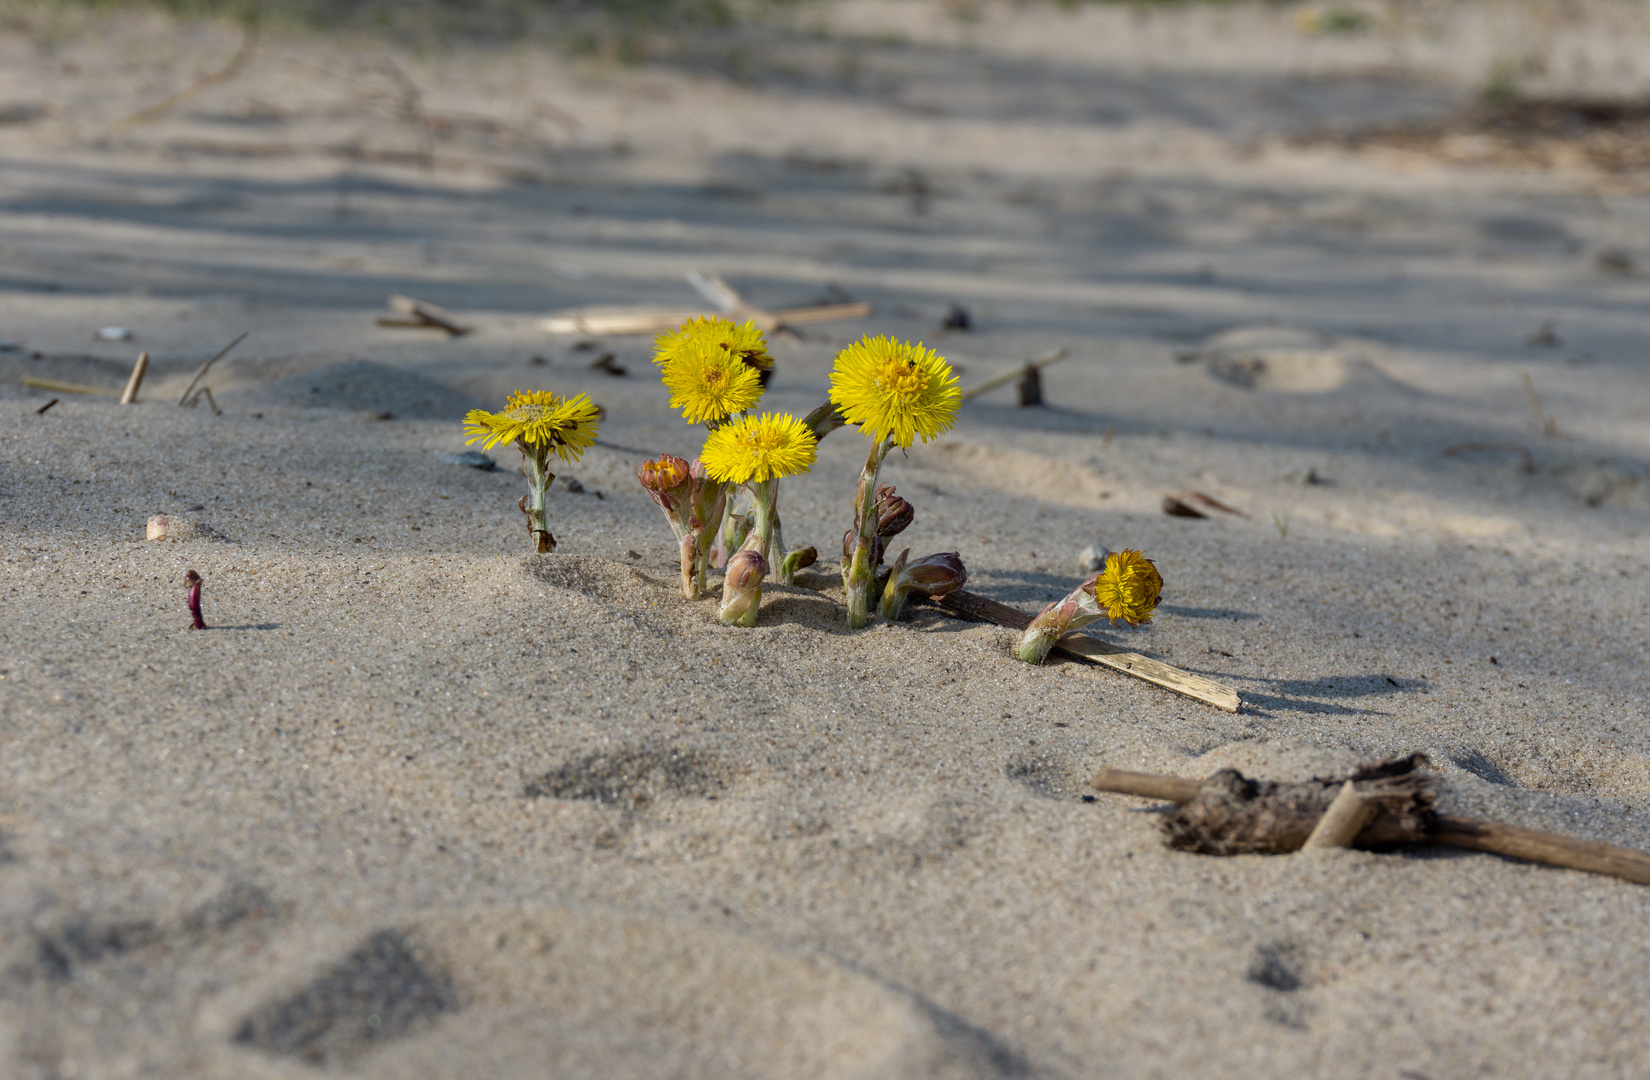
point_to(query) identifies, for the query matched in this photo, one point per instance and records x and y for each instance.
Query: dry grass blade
(1036, 363)
(249, 46)
(68, 387)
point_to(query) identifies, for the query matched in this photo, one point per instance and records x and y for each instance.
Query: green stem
(535, 462)
(764, 505)
(858, 575)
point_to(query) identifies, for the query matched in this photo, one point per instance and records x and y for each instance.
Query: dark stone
(471, 459)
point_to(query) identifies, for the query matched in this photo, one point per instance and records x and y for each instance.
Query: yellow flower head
(743, 341)
(759, 448)
(709, 384)
(536, 418)
(895, 390)
(1129, 588)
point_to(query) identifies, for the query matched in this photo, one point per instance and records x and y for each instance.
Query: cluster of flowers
(894, 392)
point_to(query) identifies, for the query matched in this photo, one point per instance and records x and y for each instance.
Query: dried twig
(423, 316)
(200, 373)
(139, 370)
(223, 74)
(1035, 364)
(42, 410)
(69, 387)
(1089, 648)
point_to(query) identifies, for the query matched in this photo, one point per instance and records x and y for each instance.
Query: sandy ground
(422, 805)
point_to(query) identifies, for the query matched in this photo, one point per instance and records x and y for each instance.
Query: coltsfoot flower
(743, 341)
(742, 588)
(755, 449)
(1129, 588)
(932, 575)
(894, 390)
(541, 425)
(896, 393)
(710, 384)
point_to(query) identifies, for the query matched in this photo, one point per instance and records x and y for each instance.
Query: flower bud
(667, 479)
(1078, 609)
(848, 539)
(892, 512)
(797, 560)
(931, 575)
(742, 588)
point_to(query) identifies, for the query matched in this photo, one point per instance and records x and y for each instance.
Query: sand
(420, 804)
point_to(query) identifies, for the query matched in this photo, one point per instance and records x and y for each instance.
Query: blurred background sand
(422, 805)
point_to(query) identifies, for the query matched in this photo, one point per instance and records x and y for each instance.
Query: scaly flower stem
(859, 574)
(764, 507)
(536, 464)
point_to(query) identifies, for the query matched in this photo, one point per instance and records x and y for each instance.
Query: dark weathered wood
(1229, 814)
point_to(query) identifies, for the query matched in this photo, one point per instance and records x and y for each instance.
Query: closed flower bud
(848, 548)
(931, 575)
(893, 513)
(797, 560)
(666, 479)
(742, 588)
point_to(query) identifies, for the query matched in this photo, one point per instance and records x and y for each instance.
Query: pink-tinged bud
(848, 539)
(667, 479)
(892, 512)
(1075, 611)
(192, 596)
(931, 575)
(742, 589)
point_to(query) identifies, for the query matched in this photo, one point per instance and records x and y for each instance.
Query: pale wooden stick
(204, 368)
(604, 322)
(1342, 822)
(69, 387)
(1146, 785)
(139, 370)
(424, 315)
(1544, 847)
(1079, 644)
(1036, 363)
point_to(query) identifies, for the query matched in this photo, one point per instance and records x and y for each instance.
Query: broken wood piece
(200, 373)
(1175, 506)
(139, 370)
(1031, 387)
(1212, 502)
(69, 387)
(1035, 364)
(1543, 847)
(42, 410)
(423, 316)
(1230, 814)
(1082, 645)
(1342, 822)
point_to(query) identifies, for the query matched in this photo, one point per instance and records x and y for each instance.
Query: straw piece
(1542, 847)
(422, 315)
(1080, 644)
(204, 368)
(1342, 822)
(139, 370)
(68, 387)
(1146, 785)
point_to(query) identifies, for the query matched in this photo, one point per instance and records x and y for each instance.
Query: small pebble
(1093, 559)
(471, 459)
(114, 333)
(11, 346)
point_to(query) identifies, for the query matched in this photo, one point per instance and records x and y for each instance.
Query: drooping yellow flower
(759, 448)
(895, 390)
(1129, 588)
(537, 418)
(743, 341)
(710, 384)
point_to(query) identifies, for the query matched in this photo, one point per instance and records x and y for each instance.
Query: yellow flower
(759, 448)
(536, 418)
(895, 390)
(743, 341)
(710, 384)
(1129, 588)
